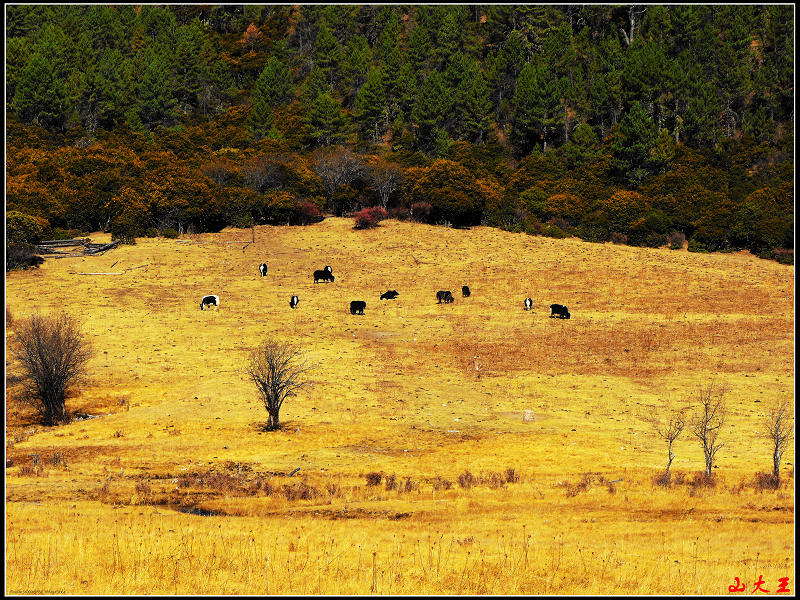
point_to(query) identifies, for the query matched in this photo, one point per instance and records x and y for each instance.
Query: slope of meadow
(175, 488)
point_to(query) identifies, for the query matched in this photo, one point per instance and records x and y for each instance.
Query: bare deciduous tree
(386, 179)
(708, 422)
(266, 173)
(336, 166)
(669, 428)
(778, 425)
(52, 354)
(277, 369)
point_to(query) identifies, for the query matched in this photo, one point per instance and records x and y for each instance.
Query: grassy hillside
(175, 488)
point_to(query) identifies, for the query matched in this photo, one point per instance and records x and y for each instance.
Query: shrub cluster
(367, 218)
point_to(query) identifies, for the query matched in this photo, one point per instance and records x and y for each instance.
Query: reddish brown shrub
(367, 218)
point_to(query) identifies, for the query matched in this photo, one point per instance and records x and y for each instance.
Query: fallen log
(72, 242)
(103, 248)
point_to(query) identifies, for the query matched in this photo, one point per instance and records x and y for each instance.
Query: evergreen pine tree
(632, 149)
(370, 107)
(325, 124)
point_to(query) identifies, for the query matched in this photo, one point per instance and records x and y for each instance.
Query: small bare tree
(386, 179)
(778, 425)
(708, 422)
(52, 354)
(277, 369)
(669, 429)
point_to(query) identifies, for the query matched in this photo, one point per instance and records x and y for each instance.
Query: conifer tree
(325, 124)
(370, 108)
(429, 110)
(40, 96)
(327, 53)
(636, 138)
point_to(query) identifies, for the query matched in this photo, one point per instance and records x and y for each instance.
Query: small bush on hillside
(20, 255)
(300, 491)
(374, 478)
(25, 228)
(466, 480)
(766, 481)
(493, 480)
(410, 486)
(421, 212)
(170, 233)
(676, 240)
(618, 238)
(391, 483)
(442, 484)
(308, 213)
(696, 246)
(663, 479)
(785, 256)
(701, 480)
(553, 231)
(401, 213)
(511, 475)
(368, 218)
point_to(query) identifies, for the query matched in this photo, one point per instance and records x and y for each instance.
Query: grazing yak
(262, 268)
(323, 275)
(444, 295)
(294, 301)
(528, 303)
(559, 310)
(209, 301)
(465, 291)
(357, 307)
(389, 295)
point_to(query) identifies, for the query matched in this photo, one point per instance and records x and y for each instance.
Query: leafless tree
(708, 422)
(336, 166)
(386, 178)
(52, 354)
(669, 428)
(266, 173)
(779, 427)
(277, 370)
(635, 16)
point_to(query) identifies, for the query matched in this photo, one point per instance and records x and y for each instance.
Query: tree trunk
(273, 423)
(776, 462)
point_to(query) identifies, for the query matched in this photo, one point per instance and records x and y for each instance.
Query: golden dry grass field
(176, 488)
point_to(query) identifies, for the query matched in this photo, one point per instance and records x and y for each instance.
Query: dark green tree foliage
(632, 149)
(40, 96)
(472, 106)
(156, 102)
(113, 87)
(355, 66)
(327, 53)
(538, 112)
(370, 108)
(272, 88)
(325, 124)
(429, 110)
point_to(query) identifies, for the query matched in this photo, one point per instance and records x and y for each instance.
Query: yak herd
(357, 307)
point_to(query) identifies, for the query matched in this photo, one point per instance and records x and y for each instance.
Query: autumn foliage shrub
(21, 227)
(368, 218)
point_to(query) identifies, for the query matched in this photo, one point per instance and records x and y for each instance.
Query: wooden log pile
(73, 247)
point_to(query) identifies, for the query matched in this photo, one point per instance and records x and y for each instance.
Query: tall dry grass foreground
(417, 472)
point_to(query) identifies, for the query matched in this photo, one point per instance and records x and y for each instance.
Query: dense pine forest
(645, 125)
